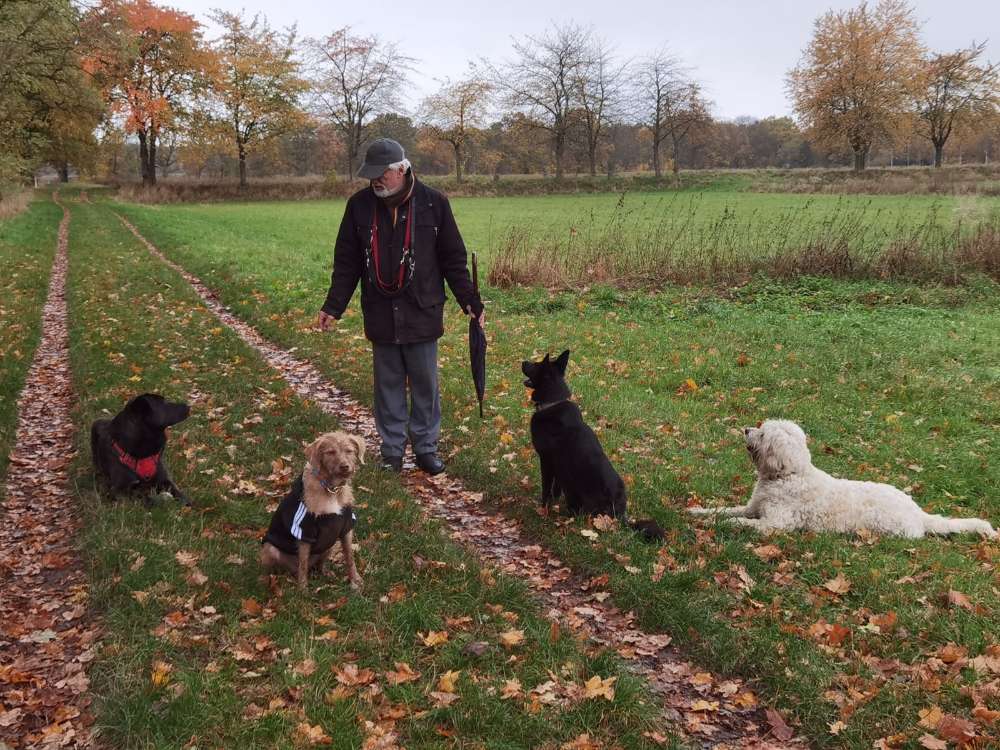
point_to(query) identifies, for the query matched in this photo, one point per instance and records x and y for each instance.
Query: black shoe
(392, 463)
(430, 463)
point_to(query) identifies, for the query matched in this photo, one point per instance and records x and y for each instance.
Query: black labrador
(571, 457)
(128, 450)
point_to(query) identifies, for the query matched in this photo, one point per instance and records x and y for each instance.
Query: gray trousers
(396, 367)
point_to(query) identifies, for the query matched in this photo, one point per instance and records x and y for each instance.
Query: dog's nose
(746, 431)
(345, 467)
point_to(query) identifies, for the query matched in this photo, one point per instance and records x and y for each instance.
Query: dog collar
(550, 404)
(144, 467)
(325, 484)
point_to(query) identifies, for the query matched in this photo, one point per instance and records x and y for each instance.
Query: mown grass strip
(894, 383)
(201, 646)
(27, 247)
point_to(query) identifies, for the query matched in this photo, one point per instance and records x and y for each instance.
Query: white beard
(385, 192)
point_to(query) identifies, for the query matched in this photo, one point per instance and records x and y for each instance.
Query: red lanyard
(406, 249)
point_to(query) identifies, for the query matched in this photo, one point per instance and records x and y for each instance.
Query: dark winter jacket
(415, 315)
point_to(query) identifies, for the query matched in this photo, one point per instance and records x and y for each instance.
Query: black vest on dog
(292, 522)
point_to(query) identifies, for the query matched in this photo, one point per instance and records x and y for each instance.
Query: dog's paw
(701, 511)
(357, 583)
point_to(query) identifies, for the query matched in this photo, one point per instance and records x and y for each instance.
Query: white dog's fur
(791, 493)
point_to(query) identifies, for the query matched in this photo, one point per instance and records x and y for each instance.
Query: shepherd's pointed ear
(546, 357)
(562, 361)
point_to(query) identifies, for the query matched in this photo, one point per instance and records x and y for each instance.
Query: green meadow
(894, 380)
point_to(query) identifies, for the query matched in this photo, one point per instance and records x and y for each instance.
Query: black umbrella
(477, 346)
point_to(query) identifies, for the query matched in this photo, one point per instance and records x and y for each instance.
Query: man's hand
(482, 316)
(324, 321)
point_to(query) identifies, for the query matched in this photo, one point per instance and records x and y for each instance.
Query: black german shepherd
(128, 450)
(572, 460)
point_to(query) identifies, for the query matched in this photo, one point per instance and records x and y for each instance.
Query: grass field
(894, 382)
(203, 651)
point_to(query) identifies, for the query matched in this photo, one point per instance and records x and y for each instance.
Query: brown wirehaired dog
(318, 510)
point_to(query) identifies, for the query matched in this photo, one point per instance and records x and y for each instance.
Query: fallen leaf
(838, 584)
(768, 552)
(446, 683)
(930, 717)
(779, 728)
(596, 687)
(957, 730)
(403, 673)
(305, 667)
(932, 743)
(161, 673)
(312, 735)
(512, 638)
(443, 700)
(511, 689)
(958, 599)
(434, 638)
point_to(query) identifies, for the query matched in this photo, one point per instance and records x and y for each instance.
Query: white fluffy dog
(791, 493)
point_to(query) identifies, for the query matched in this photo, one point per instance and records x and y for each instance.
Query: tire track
(46, 638)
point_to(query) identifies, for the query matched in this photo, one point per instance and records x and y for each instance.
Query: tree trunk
(151, 154)
(938, 154)
(458, 163)
(560, 148)
(143, 156)
(592, 155)
(860, 159)
(64, 172)
(656, 157)
(243, 165)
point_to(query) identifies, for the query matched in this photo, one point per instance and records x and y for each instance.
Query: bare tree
(456, 111)
(670, 103)
(598, 83)
(355, 79)
(858, 77)
(541, 81)
(957, 91)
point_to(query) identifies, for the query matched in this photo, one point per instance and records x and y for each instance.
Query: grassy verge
(894, 384)
(27, 247)
(201, 650)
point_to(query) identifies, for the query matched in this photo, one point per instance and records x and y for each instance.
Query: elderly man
(400, 240)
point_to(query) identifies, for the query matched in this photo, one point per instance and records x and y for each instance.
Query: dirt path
(46, 638)
(712, 711)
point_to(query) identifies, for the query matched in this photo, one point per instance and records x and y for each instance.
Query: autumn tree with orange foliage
(456, 113)
(958, 91)
(150, 62)
(859, 77)
(257, 84)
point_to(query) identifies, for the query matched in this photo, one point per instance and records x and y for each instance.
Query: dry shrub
(729, 251)
(14, 203)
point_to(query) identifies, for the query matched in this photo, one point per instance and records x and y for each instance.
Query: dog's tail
(943, 525)
(647, 528)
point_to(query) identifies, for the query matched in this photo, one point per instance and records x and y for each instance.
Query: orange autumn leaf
(403, 673)
(596, 687)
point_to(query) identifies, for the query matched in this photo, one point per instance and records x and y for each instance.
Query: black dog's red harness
(144, 467)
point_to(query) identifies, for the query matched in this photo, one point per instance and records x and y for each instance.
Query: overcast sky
(739, 51)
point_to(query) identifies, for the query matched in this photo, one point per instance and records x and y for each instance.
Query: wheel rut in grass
(46, 635)
(712, 711)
